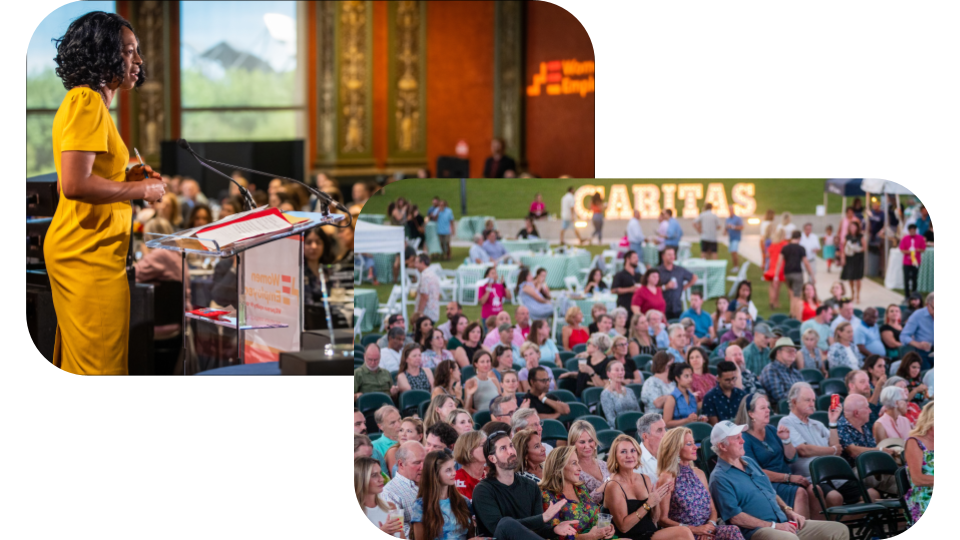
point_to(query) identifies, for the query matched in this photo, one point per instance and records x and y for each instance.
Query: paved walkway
(871, 292)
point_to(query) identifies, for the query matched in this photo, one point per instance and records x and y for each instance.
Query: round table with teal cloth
(585, 304)
(376, 219)
(513, 246)
(471, 225)
(711, 275)
(925, 274)
(369, 301)
(651, 255)
(383, 266)
(558, 266)
(433, 240)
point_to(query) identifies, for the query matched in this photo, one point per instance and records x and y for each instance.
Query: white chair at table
(448, 282)
(510, 283)
(572, 283)
(393, 306)
(411, 281)
(357, 320)
(735, 280)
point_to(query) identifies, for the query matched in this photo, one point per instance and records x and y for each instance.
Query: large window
(241, 78)
(45, 91)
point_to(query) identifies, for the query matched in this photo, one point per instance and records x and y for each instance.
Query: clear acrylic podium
(290, 264)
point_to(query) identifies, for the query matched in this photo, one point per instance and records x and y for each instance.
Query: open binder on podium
(268, 246)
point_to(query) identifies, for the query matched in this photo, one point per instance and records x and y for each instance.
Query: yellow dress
(86, 247)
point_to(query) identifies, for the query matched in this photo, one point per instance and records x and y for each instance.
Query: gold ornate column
(149, 121)
(345, 86)
(406, 94)
(508, 77)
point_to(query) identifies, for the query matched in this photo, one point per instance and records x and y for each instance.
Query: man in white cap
(745, 497)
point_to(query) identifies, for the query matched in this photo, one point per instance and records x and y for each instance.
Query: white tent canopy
(877, 185)
(373, 238)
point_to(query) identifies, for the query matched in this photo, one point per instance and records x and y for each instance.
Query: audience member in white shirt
(650, 428)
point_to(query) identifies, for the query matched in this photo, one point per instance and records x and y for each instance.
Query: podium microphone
(182, 143)
(326, 199)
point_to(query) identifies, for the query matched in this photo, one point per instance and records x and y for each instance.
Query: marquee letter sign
(647, 199)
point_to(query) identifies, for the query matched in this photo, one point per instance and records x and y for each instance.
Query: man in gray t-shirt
(707, 224)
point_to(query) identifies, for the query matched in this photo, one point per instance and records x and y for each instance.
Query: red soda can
(795, 525)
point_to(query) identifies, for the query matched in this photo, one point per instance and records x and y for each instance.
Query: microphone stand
(203, 162)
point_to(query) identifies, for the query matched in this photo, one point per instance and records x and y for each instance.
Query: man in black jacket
(508, 506)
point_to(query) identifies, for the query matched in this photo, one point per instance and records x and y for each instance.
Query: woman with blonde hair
(468, 451)
(838, 291)
(573, 334)
(631, 500)
(561, 482)
(440, 407)
(918, 453)
(411, 429)
(811, 356)
(594, 472)
(368, 485)
(461, 420)
(531, 454)
(530, 352)
(688, 504)
(483, 386)
(641, 342)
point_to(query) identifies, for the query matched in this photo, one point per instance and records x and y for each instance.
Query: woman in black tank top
(634, 518)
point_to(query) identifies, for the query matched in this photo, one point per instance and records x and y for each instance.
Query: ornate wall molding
(353, 30)
(149, 118)
(326, 135)
(406, 68)
(508, 77)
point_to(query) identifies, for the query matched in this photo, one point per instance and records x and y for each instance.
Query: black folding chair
(824, 471)
(876, 463)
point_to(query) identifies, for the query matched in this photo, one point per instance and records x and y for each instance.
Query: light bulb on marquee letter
(669, 191)
(743, 202)
(718, 198)
(646, 199)
(618, 207)
(689, 193)
(586, 190)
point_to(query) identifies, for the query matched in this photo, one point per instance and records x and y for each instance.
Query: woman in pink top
(537, 208)
(492, 294)
(703, 380)
(893, 423)
(649, 296)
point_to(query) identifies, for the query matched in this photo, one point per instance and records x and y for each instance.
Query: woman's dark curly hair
(90, 52)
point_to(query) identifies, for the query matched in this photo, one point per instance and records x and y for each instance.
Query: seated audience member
(738, 327)
(680, 407)
(858, 382)
(843, 353)
(441, 436)
(650, 428)
(492, 246)
(846, 315)
(435, 352)
(890, 331)
(743, 494)
(876, 368)
(394, 321)
(703, 380)
(540, 335)
(493, 426)
(909, 369)
(510, 384)
(720, 323)
(749, 381)
(820, 323)
(503, 357)
(453, 308)
(657, 329)
(918, 453)
(359, 422)
(867, 335)
(593, 471)
(477, 254)
(509, 506)
(604, 325)
(368, 485)
(573, 334)
(812, 439)
(402, 490)
(503, 407)
(678, 343)
(918, 332)
(757, 354)
(531, 454)
(411, 429)
(688, 503)
(421, 331)
(722, 402)
(742, 301)
(529, 419)
(387, 418)
(362, 447)
(856, 437)
(440, 407)
(649, 294)
(532, 292)
(641, 342)
(521, 330)
(461, 420)
(547, 405)
(447, 381)
(440, 511)
(561, 485)
(811, 355)
(704, 322)
(632, 499)
(464, 351)
(588, 373)
(390, 355)
(616, 398)
(595, 282)
(529, 230)
(531, 356)
(893, 423)
(619, 353)
(657, 389)
(598, 309)
(468, 451)
(504, 334)
(482, 387)
(781, 374)
(411, 374)
(690, 330)
(770, 447)
(370, 377)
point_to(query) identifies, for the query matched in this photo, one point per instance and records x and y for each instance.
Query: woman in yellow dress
(86, 246)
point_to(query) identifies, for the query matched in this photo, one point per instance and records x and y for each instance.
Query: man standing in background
(707, 224)
(734, 227)
(445, 227)
(566, 215)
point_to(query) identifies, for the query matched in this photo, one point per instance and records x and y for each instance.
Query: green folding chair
(605, 438)
(627, 423)
(599, 423)
(577, 411)
(410, 401)
(824, 471)
(833, 386)
(565, 396)
(553, 431)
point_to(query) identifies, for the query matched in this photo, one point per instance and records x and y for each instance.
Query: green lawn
(511, 198)
(760, 287)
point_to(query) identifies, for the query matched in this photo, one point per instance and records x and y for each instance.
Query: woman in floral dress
(919, 456)
(688, 504)
(561, 481)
